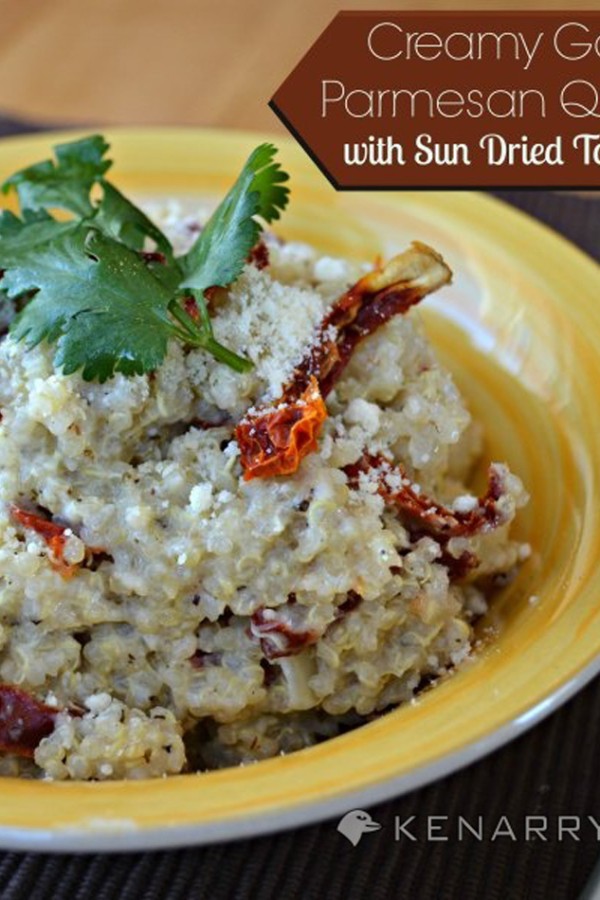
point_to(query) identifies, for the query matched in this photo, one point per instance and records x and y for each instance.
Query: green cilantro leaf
(65, 184)
(99, 298)
(90, 284)
(118, 216)
(20, 239)
(218, 256)
(268, 180)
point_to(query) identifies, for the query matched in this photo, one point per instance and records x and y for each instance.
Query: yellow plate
(520, 328)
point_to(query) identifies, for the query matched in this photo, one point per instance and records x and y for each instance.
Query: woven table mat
(550, 772)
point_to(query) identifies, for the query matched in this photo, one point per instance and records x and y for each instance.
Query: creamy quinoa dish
(214, 556)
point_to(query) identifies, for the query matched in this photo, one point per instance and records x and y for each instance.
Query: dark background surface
(552, 771)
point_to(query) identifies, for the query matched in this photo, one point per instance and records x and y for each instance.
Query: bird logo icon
(356, 823)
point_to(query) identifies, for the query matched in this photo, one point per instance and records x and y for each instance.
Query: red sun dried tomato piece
(376, 298)
(55, 537)
(259, 255)
(278, 638)
(275, 441)
(24, 721)
(423, 516)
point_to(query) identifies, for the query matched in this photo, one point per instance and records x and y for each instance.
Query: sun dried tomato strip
(278, 638)
(154, 256)
(423, 516)
(352, 601)
(421, 512)
(52, 533)
(191, 307)
(459, 566)
(56, 538)
(24, 721)
(376, 298)
(190, 303)
(274, 442)
(259, 255)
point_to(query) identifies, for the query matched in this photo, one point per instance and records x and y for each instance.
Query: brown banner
(450, 99)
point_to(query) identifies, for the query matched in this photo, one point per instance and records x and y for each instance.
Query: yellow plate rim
(87, 817)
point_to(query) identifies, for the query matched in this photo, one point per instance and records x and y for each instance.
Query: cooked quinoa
(158, 655)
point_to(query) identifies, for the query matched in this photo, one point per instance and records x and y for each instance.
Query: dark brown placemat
(551, 772)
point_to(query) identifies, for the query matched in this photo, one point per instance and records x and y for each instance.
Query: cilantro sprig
(84, 282)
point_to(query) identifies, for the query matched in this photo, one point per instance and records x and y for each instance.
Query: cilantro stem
(204, 338)
(189, 325)
(183, 336)
(222, 354)
(204, 316)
